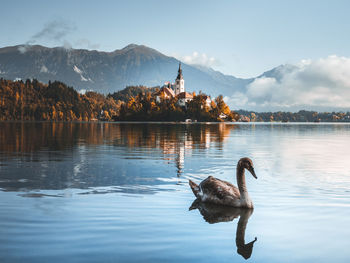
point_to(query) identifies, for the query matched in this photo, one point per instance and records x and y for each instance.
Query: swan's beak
(251, 170)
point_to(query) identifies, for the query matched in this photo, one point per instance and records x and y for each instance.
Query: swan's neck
(245, 199)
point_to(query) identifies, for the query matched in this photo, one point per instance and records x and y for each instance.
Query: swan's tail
(194, 187)
(195, 205)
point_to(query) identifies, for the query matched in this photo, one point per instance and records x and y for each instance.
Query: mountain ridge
(108, 72)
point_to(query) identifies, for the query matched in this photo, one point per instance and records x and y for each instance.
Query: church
(177, 89)
(179, 85)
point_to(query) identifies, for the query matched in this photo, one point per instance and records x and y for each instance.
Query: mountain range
(108, 72)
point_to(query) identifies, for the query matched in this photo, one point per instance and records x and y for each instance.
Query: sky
(241, 38)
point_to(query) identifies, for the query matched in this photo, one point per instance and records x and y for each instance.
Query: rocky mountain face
(107, 72)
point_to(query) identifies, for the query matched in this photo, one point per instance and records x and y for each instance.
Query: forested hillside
(32, 100)
(131, 91)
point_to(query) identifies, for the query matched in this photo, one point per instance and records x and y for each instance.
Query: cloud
(322, 84)
(54, 31)
(199, 59)
(23, 49)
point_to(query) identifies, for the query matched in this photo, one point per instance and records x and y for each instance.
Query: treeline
(300, 116)
(144, 107)
(33, 100)
(131, 91)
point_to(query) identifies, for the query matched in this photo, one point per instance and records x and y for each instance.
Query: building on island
(177, 89)
(184, 97)
(166, 92)
(179, 85)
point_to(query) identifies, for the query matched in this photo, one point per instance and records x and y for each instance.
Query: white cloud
(312, 84)
(55, 31)
(197, 58)
(261, 86)
(67, 45)
(239, 100)
(22, 49)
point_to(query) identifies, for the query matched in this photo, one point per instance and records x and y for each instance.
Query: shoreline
(178, 122)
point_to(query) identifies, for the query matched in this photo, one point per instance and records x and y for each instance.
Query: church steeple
(179, 75)
(179, 82)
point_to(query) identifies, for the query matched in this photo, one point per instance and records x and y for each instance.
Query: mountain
(107, 72)
(279, 72)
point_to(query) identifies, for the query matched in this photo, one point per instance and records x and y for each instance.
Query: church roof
(179, 75)
(167, 92)
(185, 95)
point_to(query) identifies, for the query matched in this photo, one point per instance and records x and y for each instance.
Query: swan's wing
(232, 188)
(213, 188)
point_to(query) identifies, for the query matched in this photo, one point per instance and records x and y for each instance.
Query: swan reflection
(215, 214)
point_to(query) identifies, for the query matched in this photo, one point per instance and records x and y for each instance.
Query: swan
(213, 190)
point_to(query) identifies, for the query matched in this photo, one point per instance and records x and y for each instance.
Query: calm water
(119, 193)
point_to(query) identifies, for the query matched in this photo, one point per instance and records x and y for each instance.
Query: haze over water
(118, 192)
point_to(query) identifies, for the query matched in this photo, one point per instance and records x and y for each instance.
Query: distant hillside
(300, 116)
(108, 72)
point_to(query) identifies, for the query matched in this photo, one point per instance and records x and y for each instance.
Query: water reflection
(34, 136)
(41, 155)
(174, 140)
(215, 214)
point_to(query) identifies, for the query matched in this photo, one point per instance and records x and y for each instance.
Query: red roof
(167, 92)
(185, 95)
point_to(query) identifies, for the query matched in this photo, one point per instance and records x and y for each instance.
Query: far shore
(180, 122)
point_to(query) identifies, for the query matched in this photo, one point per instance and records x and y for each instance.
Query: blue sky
(242, 38)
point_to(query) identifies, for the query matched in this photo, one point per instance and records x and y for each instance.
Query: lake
(118, 192)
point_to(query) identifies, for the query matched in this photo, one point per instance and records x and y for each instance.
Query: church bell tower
(179, 82)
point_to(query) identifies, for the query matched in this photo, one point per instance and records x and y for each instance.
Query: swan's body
(213, 190)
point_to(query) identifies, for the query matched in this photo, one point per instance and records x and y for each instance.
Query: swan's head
(247, 164)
